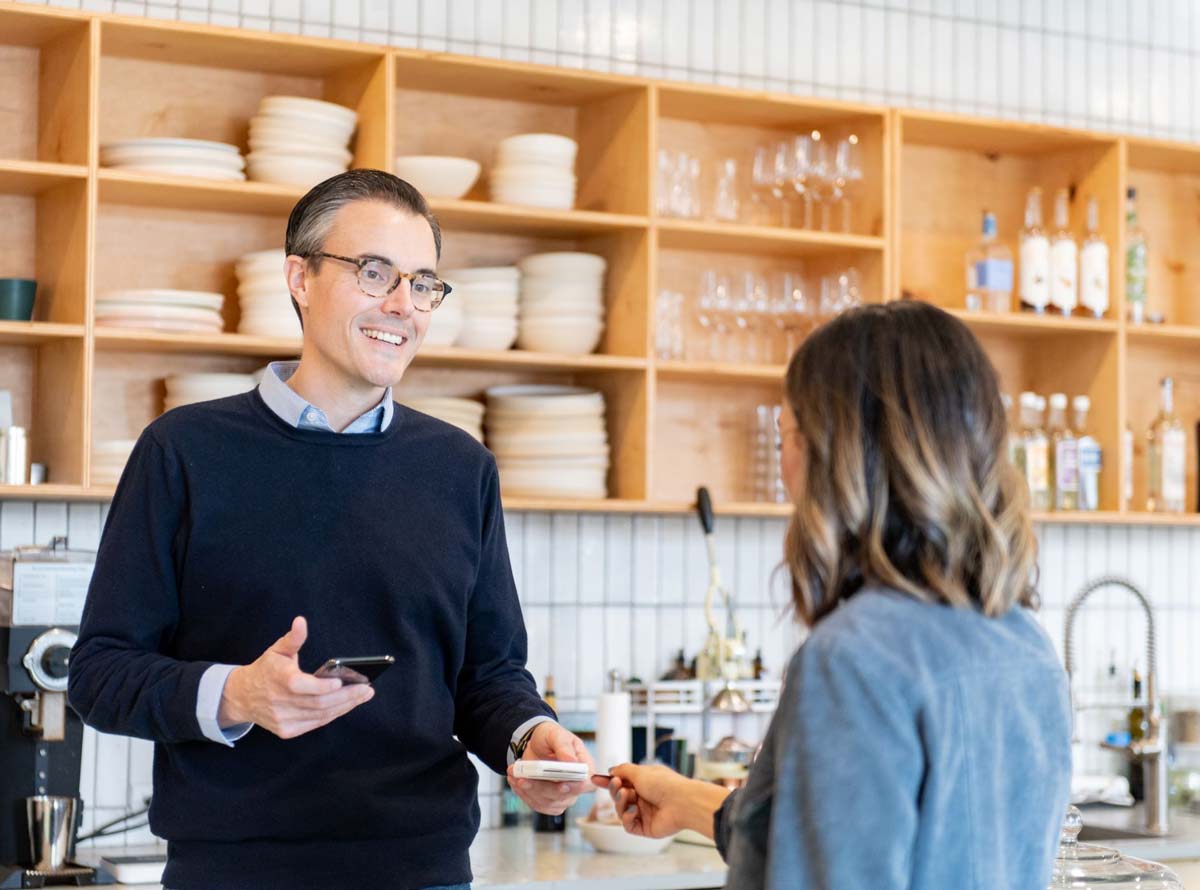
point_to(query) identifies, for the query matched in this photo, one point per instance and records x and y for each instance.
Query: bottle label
(1127, 463)
(994, 275)
(1093, 277)
(1174, 485)
(1135, 273)
(1037, 466)
(1091, 458)
(1064, 290)
(1066, 466)
(1035, 271)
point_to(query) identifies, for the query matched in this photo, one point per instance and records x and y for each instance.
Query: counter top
(519, 859)
(1182, 843)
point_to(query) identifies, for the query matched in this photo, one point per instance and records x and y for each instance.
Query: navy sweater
(227, 524)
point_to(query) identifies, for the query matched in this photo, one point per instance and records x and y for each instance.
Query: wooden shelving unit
(74, 81)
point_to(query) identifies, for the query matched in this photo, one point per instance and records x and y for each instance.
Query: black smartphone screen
(362, 669)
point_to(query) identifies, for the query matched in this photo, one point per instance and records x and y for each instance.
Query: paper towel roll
(613, 736)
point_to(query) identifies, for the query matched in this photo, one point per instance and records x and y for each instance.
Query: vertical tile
(874, 50)
(777, 29)
(645, 553)
(564, 650)
(545, 25)
(16, 524)
(1180, 28)
(433, 25)
(112, 770)
(1075, 66)
(746, 574)
(828, 49)
(1032, 74)
(695, 569)
(316, 12)
(591, 562)
(592, 667)
(647, 660)
(727, 39)
(141, 773)
(671, 578)
(920, 47)
(537, 553)
(1075, 16)
(1099, 76)
(966, 65)
(347, 15)
(1159, 94)
(375, 14)
(517, 23)
(572, 33)
(514, 535)
(461, 21)
(87, 770)
(49, 521)
(671, 636)
(1054, 83)
(942, 56)
(564, 567)
(676, 33)
(618, 639)
(618, 556)
(538, 631)
(752, 51)
(1181, 97)
(598, 18)
(803, 55)
(988, 72)
(1010, 68)
(1179, 578)
(651, 45)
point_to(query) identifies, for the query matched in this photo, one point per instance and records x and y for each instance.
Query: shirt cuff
(208, 707)
(524, 728)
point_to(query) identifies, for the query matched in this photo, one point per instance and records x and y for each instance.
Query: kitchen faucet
(1149, 751)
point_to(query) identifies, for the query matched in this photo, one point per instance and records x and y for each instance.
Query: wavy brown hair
(907, 482)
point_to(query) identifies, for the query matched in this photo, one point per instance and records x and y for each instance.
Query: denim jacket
(915, 746)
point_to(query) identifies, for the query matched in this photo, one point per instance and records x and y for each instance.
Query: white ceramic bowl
(284, 170)
(331, 153)
(483, 274)
(299, 132)
(526, 197)
(303, 105)
(164, 297)
(546, 147)
(560, 264)
(532, 174)
(615, 839)
(436, 176)
(444, 327)
(178, 168)
(546, 398)
(481, 335)
(544, 483)
(566, 338)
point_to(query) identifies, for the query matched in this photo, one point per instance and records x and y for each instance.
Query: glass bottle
(1037, 450)
(1093, 265)
(1064, 258)
(1091, 457)
(989, 271)
(541, 821)
(1127, 465)
(1135, 260)
(1166, 446)
(1064, 455)
(1035, 256)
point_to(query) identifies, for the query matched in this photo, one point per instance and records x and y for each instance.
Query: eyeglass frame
(360, 262)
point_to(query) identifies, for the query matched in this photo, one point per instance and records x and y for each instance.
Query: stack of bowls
(562, 302)
(299, 141)
(109, 459)
(549, 441)
(488, 296)
(445, 322)
(156, 309)
(264, 298)
(536, 169)
(466, 414)
(175, 157)
(184, 389)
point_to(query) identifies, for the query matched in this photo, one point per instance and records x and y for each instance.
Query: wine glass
(849, 174)
(784, 175)
(821, 176)
(801, 165)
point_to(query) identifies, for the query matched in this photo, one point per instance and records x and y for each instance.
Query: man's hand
(551, 742)
(275, 694)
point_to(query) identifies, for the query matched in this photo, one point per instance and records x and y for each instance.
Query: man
(316, 506)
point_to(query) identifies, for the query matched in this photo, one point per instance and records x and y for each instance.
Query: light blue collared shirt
(291, 407)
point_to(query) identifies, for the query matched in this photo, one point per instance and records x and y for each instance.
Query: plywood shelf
(34, 177)
(53, 492)
(484, 216)
(126, 339)
(1150, 334)
(680, 234)
(519, 359)
(28, 333)
(194, 193)
(1028, 324)
(719, 372)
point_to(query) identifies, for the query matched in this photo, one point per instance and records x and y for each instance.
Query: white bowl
(483, 274)
(526, 197)
(436, 176)
(539, 482)
(444, 328)
(284, 170)
(567, 338)
(164, 297)
(548, 147)
(532, 174)
(300, 132)
(560, 264)
(615, 839)
(332, 153)
(259, 257)
(546, 397)
(177, 168)
(310, 107)
(474, 335)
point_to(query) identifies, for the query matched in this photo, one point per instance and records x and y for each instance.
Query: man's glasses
(378, 278)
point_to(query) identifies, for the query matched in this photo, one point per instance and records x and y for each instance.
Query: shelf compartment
(45, 237)
(47, 381)
(471, 104)
(679, 234)
(131, 340)
(519, 359)
(182, 192)
(949, 169)
(1028, 324)
(1162, 333)
(720, 372)
(484, 216)
(46, 59)
(169, 79)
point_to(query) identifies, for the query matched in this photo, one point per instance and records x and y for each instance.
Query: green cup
(16, 298)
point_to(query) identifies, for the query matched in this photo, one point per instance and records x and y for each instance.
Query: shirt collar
(293, 410)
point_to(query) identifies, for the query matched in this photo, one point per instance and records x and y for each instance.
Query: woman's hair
(907, 482)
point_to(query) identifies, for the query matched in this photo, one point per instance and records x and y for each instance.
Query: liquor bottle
(1166, 446)
(1093, 265)
(1135, 261)
(1037, 452)
(1139, 725)
(760, 668)
(989, 271)
(1091, 457)
(1127, 464)
(1064, 456)
(1016, 449)
(1035, 256)
(1064, 259)
(542, 822)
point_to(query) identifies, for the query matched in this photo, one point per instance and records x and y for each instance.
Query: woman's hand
(655, 801)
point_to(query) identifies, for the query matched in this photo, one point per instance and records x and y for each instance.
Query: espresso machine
(42, 591)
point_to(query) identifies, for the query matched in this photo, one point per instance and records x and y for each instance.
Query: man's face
(339, 318)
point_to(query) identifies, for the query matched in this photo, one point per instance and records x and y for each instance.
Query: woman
(923, 735)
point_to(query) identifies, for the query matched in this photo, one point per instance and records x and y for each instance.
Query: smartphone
(364, 669)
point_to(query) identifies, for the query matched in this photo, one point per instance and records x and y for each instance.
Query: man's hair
(312, 217)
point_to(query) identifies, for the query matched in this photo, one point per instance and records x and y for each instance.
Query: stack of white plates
(175, 157)
(263, 295)
(173, 311)
(298, 141)
(466, 414)
(109, 459)
(549, 441)
(488, 296)
(537, 169)
(184, 389)
(562, 302)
